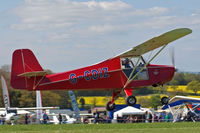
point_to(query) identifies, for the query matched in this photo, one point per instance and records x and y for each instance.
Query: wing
(2, 109)
(156, 42)
(35, 108)
(184, 98)
(179, 100)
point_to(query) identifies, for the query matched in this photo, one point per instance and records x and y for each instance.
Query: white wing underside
(156, 42)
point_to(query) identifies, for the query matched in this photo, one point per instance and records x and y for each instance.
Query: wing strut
(131, 79)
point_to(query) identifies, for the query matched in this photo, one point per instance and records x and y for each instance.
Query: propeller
(172, 56)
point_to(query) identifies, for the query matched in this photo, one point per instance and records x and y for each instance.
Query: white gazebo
(128, 111)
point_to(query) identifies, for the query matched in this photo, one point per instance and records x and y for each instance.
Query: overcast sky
(69, 34)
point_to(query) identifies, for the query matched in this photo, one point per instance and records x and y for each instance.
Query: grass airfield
(182, 127)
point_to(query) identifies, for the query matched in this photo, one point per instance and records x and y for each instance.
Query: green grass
(183, 127)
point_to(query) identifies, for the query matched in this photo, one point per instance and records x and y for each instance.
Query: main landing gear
(130, 99)
(109, 106)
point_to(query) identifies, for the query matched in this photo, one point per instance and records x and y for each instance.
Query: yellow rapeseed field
(101, 101)
(182, 88)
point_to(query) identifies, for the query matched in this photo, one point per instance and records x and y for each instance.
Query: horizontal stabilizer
(32, 74)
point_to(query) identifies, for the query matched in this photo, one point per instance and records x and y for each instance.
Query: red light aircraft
(121, 73)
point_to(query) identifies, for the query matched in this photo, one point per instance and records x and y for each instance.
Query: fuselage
(107, 75)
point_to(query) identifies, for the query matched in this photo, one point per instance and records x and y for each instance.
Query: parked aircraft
(7, 113)
(177, 105)
(66, 119)
(11, 113)
(120, 74)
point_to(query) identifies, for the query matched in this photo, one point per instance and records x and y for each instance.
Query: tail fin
(26, 70)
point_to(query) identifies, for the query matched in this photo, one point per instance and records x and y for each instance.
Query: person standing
(26, 118)
(167, 117)
(60, 118)
(2, 121)
(150, 117)
(45, 117)
(96, 117)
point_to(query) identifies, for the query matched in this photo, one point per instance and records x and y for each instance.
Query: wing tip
(184, 30)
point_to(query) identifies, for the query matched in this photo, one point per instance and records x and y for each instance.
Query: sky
(70, 34)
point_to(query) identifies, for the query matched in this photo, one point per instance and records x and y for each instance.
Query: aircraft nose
(172, 71)
(168, 73)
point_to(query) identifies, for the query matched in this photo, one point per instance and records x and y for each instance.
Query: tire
(110, 107)
(155, 85)
(164, 100)
(131, 100)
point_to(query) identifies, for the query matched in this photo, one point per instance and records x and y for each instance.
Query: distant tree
(160, 90)
(191, 77)
(180, 77)
(194, 86)
(145, 102)
(50, 98)
(65, 101)
(27, 99)
(93, 93)
(155, 101)
(6, 68)
(198, 76)
(173, 82)
(143, 91)
(14, 97)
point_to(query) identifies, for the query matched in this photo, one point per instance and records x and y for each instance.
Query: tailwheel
(131, 100)
(109, 106)
(164, 100)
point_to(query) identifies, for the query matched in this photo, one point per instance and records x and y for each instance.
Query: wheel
(109, 106)
(131, 100)
(155, 85)
(164, 100)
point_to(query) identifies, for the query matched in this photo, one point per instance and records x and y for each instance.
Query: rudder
(23, 61)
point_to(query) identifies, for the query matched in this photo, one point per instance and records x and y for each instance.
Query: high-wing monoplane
(121, 73)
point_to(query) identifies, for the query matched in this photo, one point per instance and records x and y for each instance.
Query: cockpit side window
(136, 64)
(126, 63)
